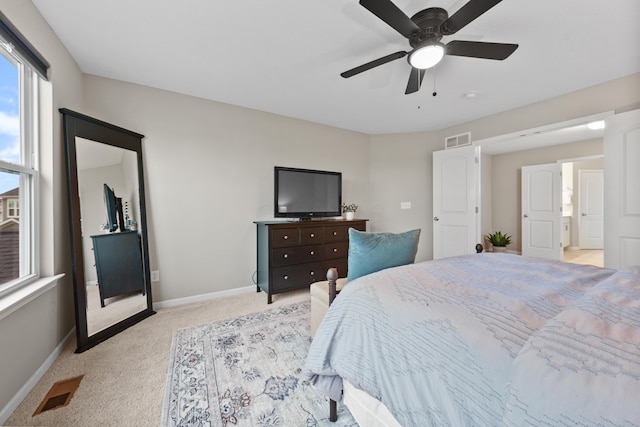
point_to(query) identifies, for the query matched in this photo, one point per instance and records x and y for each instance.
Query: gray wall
(209, 175)
(400, 171)
(416, 150)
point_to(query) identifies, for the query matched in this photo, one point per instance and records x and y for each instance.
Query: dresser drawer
(336, 233)
(336, 250)
(296, 255)
(310, 235)
(297, 276)
(285, 237)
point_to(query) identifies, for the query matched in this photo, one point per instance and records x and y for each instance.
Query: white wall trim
(21, 296)
(12, 405)
(204, 297)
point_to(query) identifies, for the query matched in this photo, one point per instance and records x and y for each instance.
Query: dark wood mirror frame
(82, 126)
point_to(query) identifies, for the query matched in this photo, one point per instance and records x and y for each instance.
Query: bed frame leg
(333, 410)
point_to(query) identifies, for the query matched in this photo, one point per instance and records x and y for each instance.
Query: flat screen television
(306, 193)
(114, 210)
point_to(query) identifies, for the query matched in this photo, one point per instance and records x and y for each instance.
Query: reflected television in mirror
(114, 210)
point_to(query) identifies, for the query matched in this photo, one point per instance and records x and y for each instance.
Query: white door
(591, 208)
(455, 189)
(622, 195)
(542, 211)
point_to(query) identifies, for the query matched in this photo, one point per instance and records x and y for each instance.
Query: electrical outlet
(405, 205)
(155, 275)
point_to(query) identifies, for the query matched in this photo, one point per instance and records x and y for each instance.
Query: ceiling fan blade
(484, 50)
(373, 64)
(466, 14)
(415, 80)
(392, 15)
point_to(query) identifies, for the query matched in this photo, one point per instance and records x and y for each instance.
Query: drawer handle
(335, 249)
(313, 253)
(335, 233)
(313, 235)
(285, 237)
(285, 256)
(286, 277)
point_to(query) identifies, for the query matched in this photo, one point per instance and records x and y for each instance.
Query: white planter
(349, 215)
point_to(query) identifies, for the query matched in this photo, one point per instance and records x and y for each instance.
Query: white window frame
(28, 199)
(13, 208)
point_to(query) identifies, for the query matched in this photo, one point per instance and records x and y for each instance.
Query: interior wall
(32, 333)
(400, 168)
(209, 175)
(617, 95)
(507, 181)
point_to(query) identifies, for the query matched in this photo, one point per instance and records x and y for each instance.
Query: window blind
(18, 45)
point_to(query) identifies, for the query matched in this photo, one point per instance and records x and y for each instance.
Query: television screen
(306, 193)
(114, 210)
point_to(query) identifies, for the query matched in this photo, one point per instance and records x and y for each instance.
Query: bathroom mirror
(109, 243)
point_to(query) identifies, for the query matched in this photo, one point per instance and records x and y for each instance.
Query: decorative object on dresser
(349, 211)
(293, 255)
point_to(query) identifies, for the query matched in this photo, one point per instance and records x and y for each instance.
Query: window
(13, 209)
(18, 174)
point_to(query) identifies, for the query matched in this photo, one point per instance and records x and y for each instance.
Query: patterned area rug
(246, 371)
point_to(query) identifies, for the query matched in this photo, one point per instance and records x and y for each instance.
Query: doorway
(582, 210)
(570, 142)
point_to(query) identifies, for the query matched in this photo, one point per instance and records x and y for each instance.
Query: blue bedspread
(436, 341)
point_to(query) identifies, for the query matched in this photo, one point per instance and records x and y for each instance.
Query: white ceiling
(92, 154)
(286, 56)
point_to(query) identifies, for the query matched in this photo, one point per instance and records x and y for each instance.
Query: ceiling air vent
(457, 140)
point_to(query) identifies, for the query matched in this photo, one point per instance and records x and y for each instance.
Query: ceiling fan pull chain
(434, 82)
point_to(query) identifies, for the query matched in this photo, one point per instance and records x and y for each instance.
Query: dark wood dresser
(118, 264)
(294, 254)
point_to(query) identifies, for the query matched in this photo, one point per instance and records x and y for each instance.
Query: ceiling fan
(424, 30)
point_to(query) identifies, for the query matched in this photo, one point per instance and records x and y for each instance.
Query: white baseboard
(26, 388)
(204, 297)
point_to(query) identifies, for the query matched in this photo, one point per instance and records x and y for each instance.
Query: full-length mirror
(108, 228)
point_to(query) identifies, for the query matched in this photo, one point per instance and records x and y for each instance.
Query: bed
(488, 339)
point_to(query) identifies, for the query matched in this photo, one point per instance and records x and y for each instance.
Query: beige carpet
(125, 376)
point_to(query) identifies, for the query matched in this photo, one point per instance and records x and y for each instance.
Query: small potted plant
(349, 211)
(499, 241)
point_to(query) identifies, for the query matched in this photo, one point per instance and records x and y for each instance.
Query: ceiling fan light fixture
(426, 56)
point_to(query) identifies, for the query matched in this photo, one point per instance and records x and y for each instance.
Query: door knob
(584, 214)
(435, 218)
(526, 215)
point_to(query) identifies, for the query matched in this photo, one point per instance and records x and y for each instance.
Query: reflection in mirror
(108, 186)
(107, 220)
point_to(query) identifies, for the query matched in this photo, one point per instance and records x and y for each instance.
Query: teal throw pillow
(371, 252)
